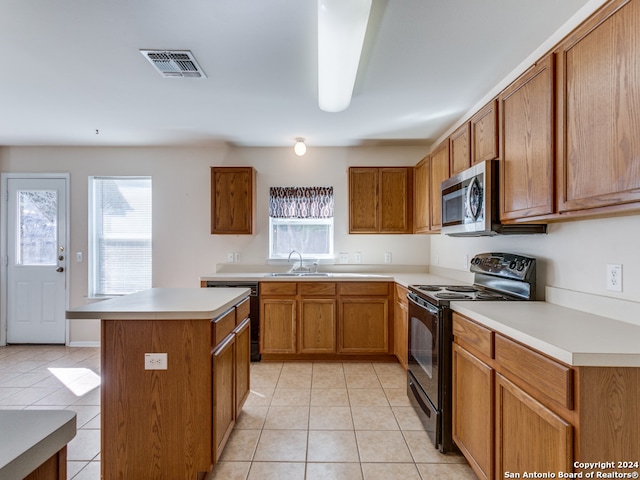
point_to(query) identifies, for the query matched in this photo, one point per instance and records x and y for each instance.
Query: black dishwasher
(254, 313)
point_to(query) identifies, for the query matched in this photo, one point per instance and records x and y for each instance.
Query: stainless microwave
(470, 204)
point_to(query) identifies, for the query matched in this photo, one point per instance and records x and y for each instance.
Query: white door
(36, 260)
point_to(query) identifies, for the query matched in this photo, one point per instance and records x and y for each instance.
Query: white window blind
(120, 235)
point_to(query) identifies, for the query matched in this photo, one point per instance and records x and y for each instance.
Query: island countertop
(163, 304)
(31, 438)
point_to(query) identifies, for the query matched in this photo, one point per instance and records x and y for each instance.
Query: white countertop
(163, 304)
(573, 337)
(31, 437)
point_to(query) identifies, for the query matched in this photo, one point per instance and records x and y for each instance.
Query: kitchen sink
(297, 274)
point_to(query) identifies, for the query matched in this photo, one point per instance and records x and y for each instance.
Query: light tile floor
(302, 420)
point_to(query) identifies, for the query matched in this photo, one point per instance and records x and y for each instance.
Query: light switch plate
(155, 361)
(357, 257)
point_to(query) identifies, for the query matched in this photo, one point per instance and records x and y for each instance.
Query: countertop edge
(35, 455)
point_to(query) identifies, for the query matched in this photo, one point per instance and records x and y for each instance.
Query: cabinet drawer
(242, 310)
(544, 374)
(223, 326)
(470, 334)
(320, 288)
(278, 288)
(363, 288)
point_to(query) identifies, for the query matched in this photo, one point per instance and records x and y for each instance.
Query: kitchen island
(168, 414)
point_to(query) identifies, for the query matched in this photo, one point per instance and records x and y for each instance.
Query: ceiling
(72, 71)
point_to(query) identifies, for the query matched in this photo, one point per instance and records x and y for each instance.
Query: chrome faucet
(299, 254)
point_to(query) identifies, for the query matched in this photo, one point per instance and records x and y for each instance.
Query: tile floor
(302, 421)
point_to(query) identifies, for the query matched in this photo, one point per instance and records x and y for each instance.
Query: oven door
(424, 346)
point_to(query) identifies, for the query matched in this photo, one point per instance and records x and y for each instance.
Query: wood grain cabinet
(363, 317)
(421, 197)
(484, 133)
(517, 410)
(224, 408)
(278, 317)
(598, 113)
(380, 200)
(232, 200)
(460, 145)
(527, 144)
(401, 325)
(318, 318)
(439, 172)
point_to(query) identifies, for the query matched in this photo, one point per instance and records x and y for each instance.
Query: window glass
(120, 235)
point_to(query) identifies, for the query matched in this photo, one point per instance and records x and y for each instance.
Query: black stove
(497, 277)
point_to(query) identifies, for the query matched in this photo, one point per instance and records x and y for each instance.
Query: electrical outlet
(155, 361)
(79, 257)
(387, 257)
(357, 257)
(236, 257)
(343, 258)
(230, 257)
(614, 277)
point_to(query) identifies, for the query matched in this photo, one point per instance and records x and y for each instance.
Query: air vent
(175, 63)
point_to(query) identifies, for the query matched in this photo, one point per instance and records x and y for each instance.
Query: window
(119, 235)
(301, 218)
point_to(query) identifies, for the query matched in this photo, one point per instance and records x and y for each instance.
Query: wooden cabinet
(598, 115)
(232, 202)
(527, 144)
(363, 317)
(439, 172)
(324, 320)
(380, 200)
(517, 410)
(421, 198)
(460, 145)
(224, 408)
(401, 325)
(473, 410)
(242, 362)
(547, 445)
(484, 133)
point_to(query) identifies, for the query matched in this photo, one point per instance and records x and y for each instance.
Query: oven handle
(413, 298)
(417, 396)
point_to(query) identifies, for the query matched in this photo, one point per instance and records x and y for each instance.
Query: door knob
(60, 269)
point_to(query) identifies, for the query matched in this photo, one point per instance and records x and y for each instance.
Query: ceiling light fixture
(300, 148)
(341, 28)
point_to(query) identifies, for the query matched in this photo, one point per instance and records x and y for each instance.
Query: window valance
(301, 202)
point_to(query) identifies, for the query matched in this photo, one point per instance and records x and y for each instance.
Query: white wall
(183, 248)
(572, 255)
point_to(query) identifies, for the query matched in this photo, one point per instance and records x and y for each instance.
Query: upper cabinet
(599, 111)
(232, 207)
(460, 145)
(380, 200)
(484, 133)
(526, 123)
(422, 201)
(439, 172)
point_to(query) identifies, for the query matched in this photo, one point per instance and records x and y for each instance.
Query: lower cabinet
(224, 406)
(401, 326)
(242, 363)
(325, 318)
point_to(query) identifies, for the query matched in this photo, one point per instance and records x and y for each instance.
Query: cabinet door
(439, 173)
(526, 169)
(232, 200)
(484, 134)
(598, 115)
(421, 196)
(224, 412)
(473, 410)
(243, 363)
(277, 325)
(460, 149)
(363, 325)
(317, 325)
(396, 200)
(529, 436)
(400, 326)
(363, 200)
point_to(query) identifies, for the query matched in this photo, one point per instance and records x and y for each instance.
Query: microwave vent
(174, 63)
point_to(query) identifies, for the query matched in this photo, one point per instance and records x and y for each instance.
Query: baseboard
(84, 344)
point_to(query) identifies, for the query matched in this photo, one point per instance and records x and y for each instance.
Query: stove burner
(489, 296)
(452, 296)
(429, 288)
(461, 288)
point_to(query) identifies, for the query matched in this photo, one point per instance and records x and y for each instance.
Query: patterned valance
(301, 202)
